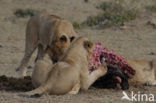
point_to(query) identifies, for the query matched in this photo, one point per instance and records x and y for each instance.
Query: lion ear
(88, 45)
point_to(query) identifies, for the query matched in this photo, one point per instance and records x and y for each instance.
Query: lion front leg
(88, 79)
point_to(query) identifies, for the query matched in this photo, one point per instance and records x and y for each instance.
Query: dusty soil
(136, 40)
(15, 84)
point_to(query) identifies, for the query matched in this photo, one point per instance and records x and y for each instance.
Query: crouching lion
(145, 75)
(46, 30)
(145, 72)
(71, 71)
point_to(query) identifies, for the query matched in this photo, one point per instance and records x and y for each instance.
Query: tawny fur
(71, 71)
(41, 70)
(145, 72)
(43, 67)
(46, 30)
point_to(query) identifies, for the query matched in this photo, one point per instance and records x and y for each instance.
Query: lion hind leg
(40, 53)
(38, 92)
(30, 46)
(29, 49)
(22, 68)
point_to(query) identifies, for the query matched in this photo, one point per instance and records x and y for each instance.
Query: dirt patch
(15, 84)
(25, 84)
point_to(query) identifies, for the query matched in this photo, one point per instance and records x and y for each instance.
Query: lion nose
(55, 61)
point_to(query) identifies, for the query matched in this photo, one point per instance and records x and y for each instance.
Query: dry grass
(113, 14)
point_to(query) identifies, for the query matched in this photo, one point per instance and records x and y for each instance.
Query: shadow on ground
(15, 84)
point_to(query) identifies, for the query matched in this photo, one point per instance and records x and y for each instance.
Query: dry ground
(136, 41)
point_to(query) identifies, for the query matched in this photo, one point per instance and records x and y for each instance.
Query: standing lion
(44, 30)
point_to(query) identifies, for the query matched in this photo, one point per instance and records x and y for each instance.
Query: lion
(145, 72)
(71, 71)
(46, 30)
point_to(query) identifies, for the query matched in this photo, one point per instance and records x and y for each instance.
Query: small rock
(86, 1)
(152, 53)
(29, 67)
(1, 46)
(152, 23)
(123, 27)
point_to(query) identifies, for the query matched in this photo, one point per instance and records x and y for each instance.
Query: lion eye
(72, 38)
(89, 46)
(63, 38)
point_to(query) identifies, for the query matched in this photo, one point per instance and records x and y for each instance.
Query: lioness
(46, 30)
(145, 72)
(70, 70)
